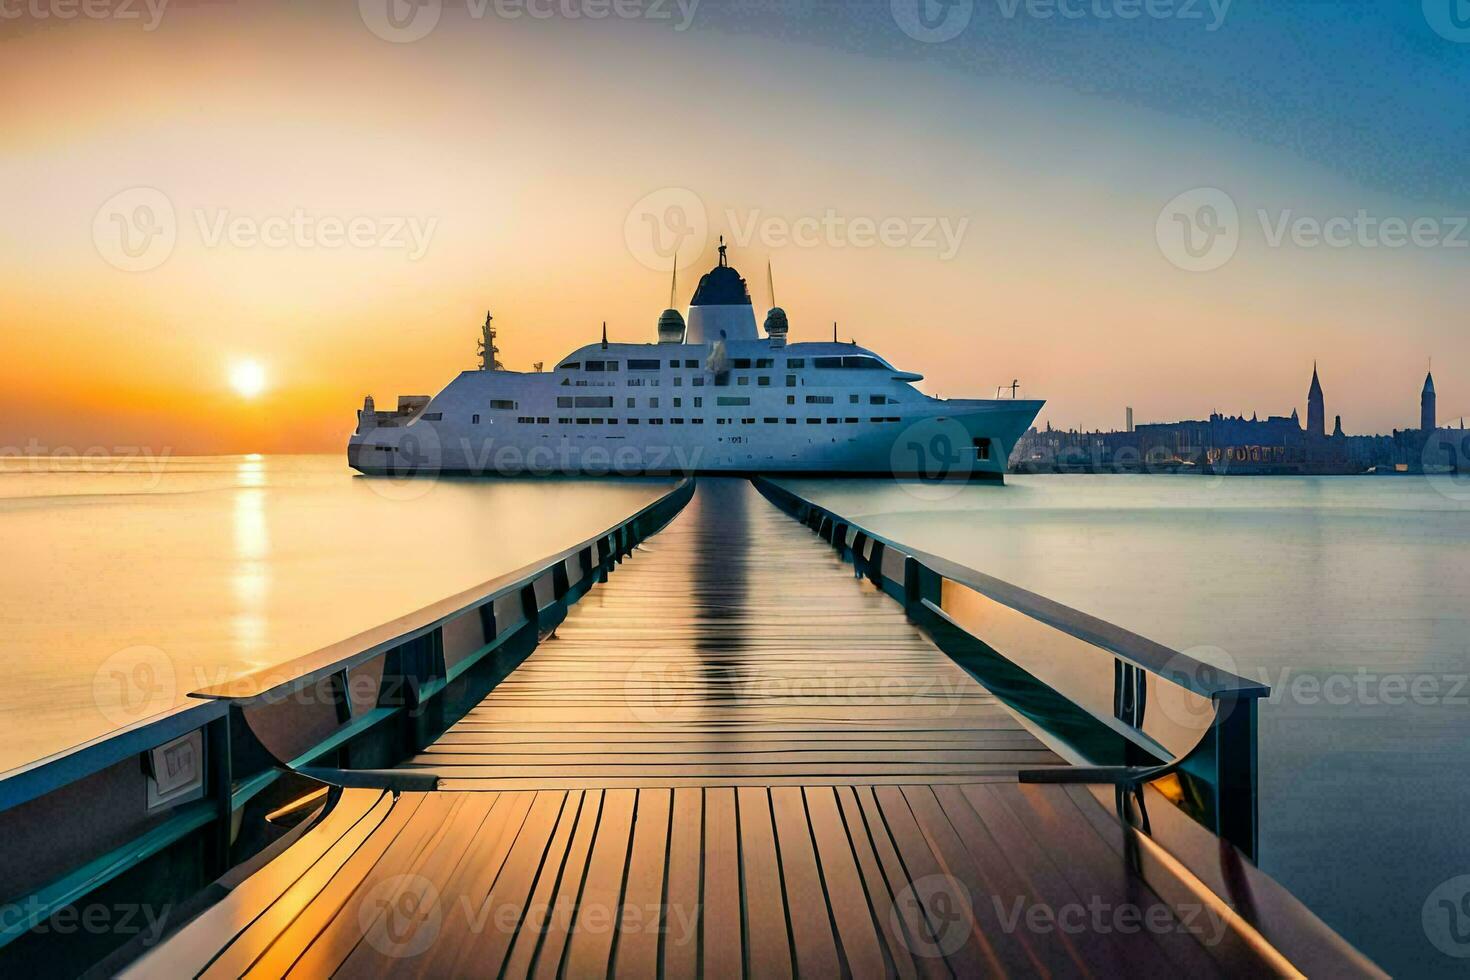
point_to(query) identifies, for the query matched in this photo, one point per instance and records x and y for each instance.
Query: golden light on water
(248, 378)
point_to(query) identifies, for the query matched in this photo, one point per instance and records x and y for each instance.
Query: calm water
(166, 578)
(125, 587)
(1357, 584)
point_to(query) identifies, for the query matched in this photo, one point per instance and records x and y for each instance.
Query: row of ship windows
(849, 362)
(721, 381)
(606, 401)
(767, 420)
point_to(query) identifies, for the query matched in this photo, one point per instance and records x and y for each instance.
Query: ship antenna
(673, 280)
(604, 335)
(722, 251)
(770, 283)
(834, 331)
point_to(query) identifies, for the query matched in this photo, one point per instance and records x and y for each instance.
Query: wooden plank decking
(818, 881)
(733, 648)
(732, 757)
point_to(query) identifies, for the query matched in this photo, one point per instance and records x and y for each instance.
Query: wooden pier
(731, 754)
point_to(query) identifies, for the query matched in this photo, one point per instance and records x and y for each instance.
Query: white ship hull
(729, 403)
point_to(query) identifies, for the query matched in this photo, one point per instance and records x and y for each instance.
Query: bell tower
(1316, 408)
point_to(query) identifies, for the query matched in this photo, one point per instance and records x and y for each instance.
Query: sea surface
(1350, 596)
(126, 584)
(123, 586)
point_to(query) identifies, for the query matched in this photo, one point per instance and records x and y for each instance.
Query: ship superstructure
(711, 395)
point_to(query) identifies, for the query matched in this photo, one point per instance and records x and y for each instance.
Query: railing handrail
(1191, 673)
(309, 668)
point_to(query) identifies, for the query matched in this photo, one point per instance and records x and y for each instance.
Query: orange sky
(524, 145)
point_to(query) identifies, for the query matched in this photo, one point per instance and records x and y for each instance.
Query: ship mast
(487, 349)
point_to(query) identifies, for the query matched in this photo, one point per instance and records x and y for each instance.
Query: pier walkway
(732, 756)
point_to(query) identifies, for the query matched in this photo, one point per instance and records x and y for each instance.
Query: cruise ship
(712, 395)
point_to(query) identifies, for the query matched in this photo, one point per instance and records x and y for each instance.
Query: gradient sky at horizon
(527, 144)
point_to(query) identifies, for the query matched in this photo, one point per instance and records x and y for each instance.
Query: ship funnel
(671, 327)
(776, 326)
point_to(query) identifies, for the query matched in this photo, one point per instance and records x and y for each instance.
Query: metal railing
(342, 715)
(1037, 654)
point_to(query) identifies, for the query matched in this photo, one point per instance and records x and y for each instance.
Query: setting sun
(247, 378)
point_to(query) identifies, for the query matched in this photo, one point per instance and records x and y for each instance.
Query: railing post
(919, 583)
(859, 562)
(1236, 814)
(220, 770)
(839, 539)
(560, 586)
(529, 607)
(875, 564)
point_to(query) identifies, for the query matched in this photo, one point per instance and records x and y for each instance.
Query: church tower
(1316, 409)
(1426, 405)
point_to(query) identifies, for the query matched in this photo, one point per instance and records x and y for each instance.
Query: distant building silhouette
(1237, 444)
(1316, 408)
